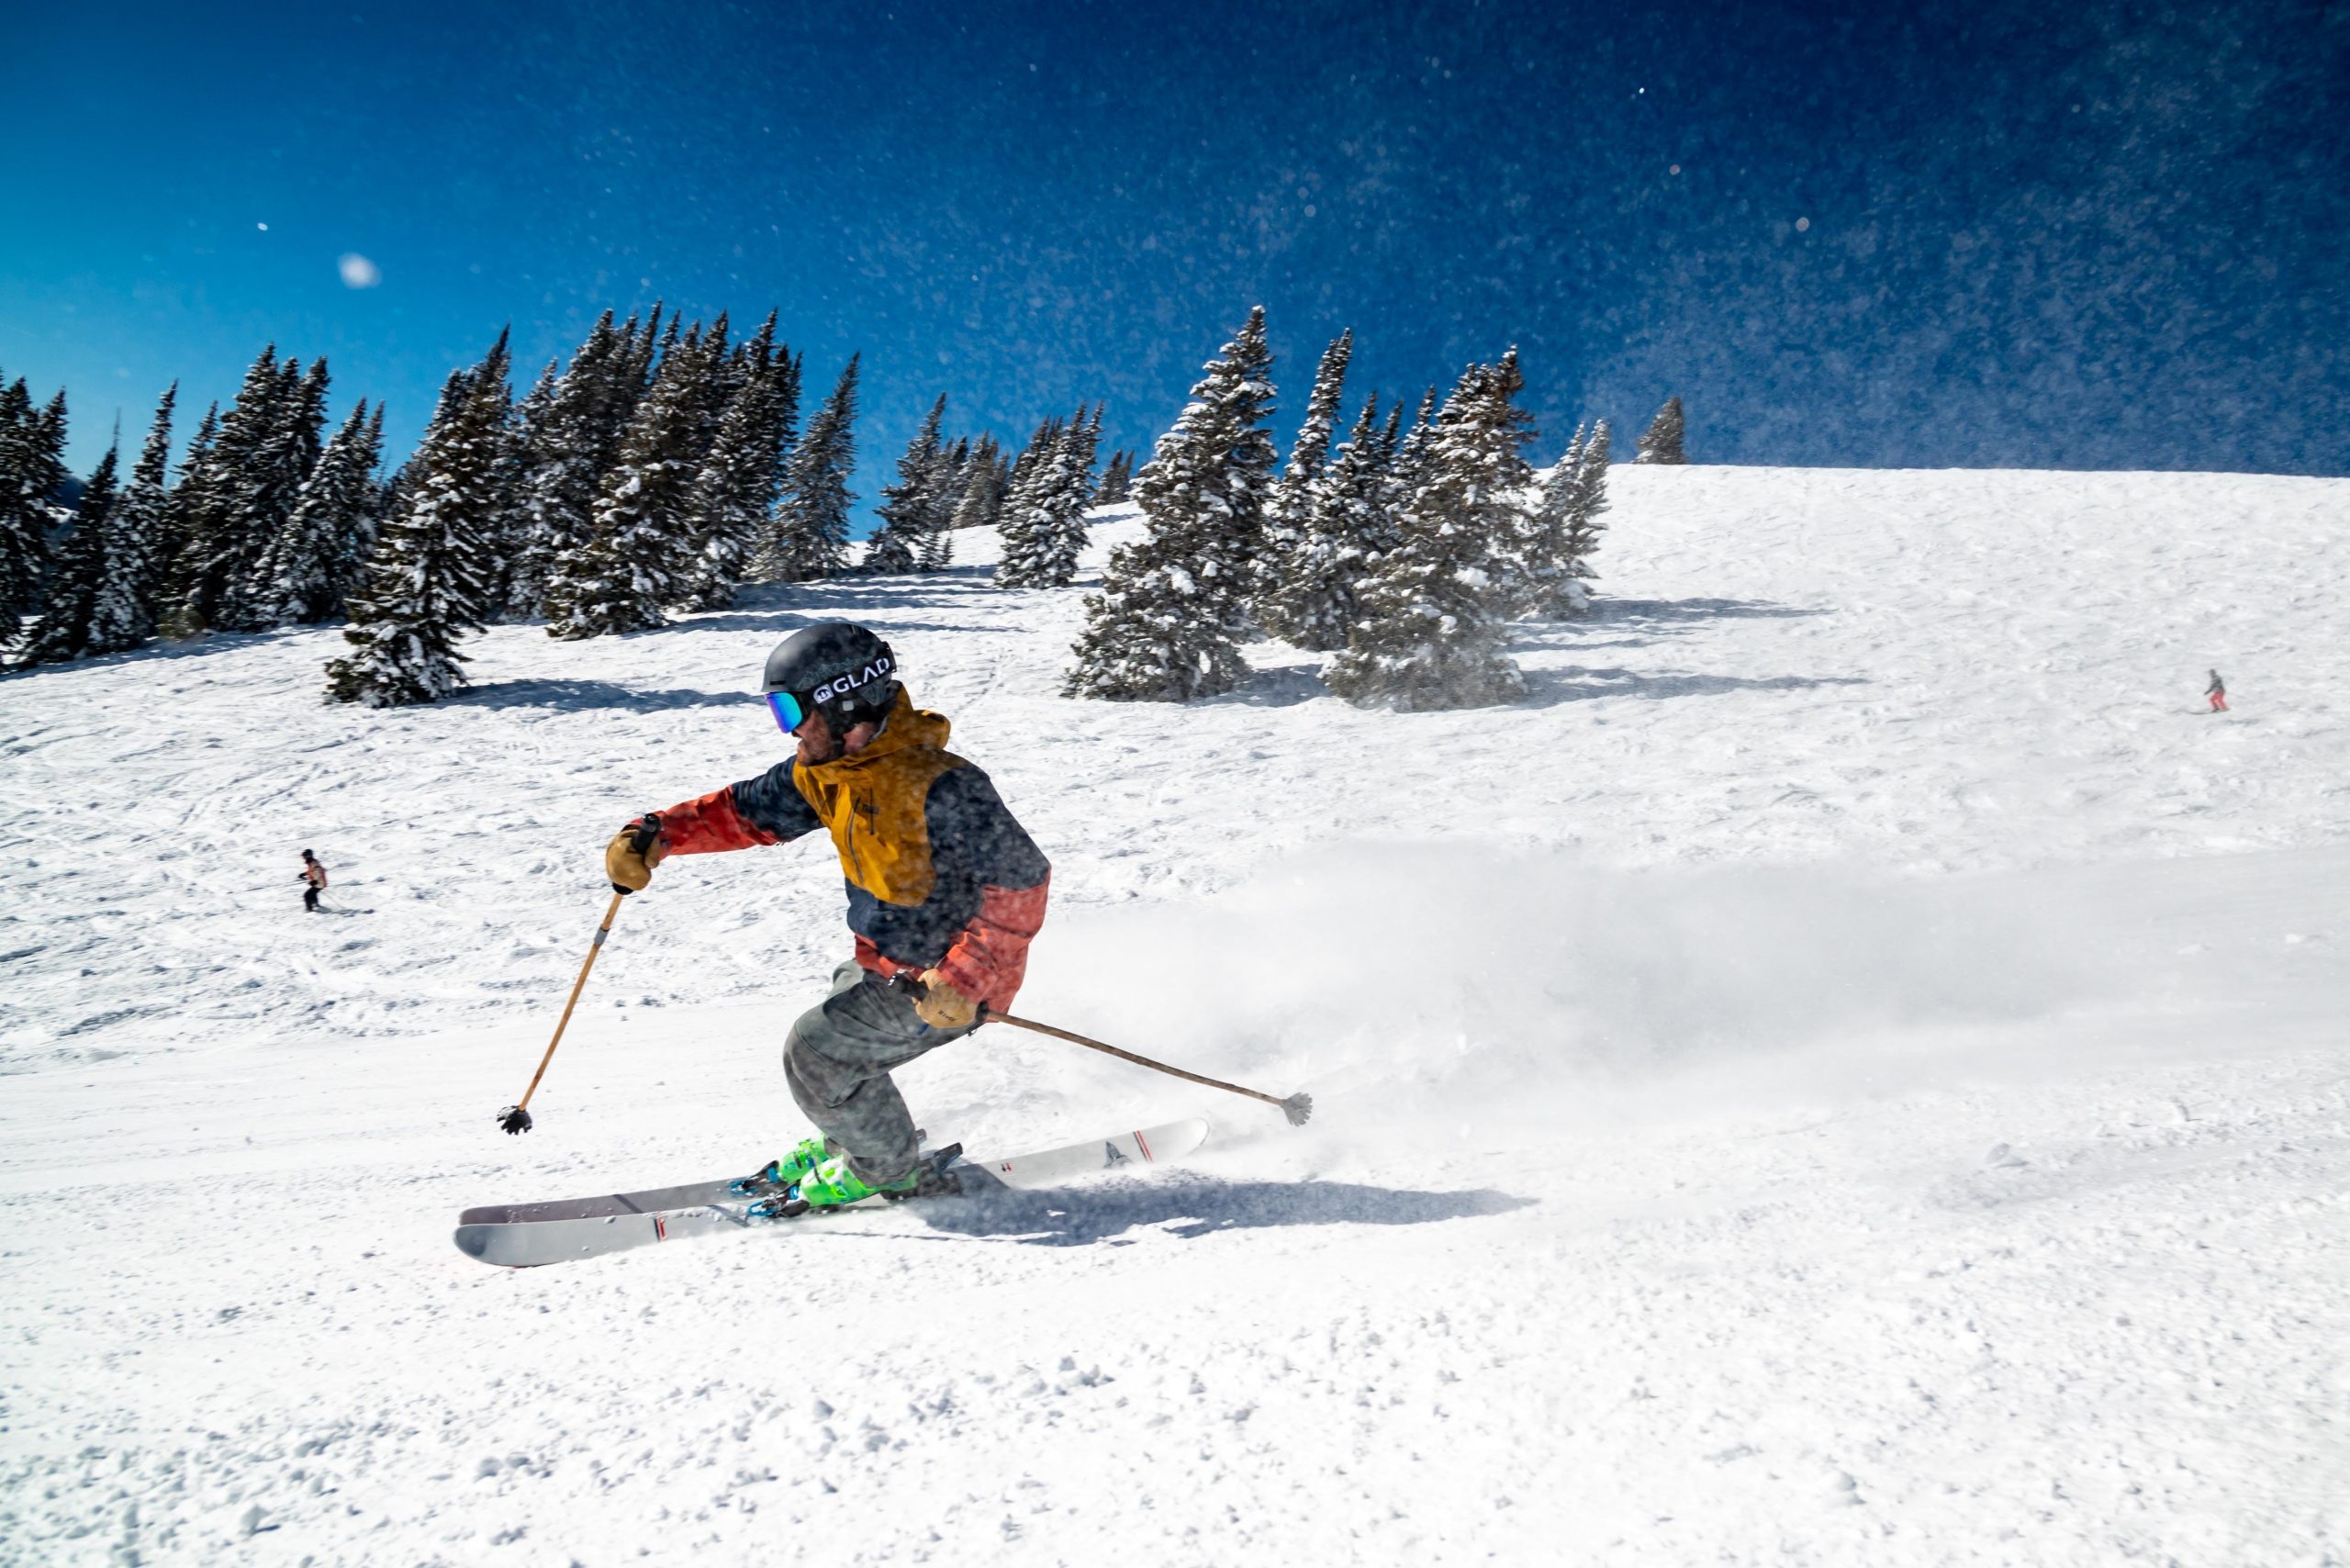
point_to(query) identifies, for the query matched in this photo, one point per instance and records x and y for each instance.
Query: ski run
(1849, 1070)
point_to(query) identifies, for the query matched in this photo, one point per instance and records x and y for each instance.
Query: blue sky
(1999, 234)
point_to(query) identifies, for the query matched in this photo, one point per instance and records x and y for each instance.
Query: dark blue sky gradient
(2096, 236)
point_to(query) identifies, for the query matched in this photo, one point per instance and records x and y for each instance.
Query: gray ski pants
(838, 1062)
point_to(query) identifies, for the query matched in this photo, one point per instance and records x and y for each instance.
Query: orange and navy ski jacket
(940, 875)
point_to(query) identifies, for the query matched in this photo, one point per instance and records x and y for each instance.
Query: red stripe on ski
(1144, 1146)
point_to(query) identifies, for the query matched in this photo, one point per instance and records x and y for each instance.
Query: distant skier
(314, 880)
(2218, 692)
(946, 890)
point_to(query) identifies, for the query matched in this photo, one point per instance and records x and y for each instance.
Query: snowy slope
(1849, 1071)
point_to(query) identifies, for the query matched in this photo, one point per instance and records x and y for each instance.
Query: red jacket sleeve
(989, 957)
(710, 822)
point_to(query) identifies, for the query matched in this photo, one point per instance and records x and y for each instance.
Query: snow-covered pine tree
(1344, 535)
(1117, 479)
(1430, 633)
(1166, 625)
(1017, 518)
(1408, 465)
(1285, 510)
(91, 584)
(985, 483)
(1039, 447)
(808, 536)
(329, 509)
(981, 503)
(569, 451)
(909, 508)
(955, 470)
(32, 471)
(1043, 527)
(271, 484)
(373, 503)
(1509, 493)
(642, 555)
(737, 482)
(427, 581)
(1663, 442)
(217, 526)
(1583, 527)
(143, 520)
(1550, 589)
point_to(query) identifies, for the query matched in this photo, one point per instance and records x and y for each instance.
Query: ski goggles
(788, 711)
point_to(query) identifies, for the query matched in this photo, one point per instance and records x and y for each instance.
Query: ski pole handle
(516, 1118)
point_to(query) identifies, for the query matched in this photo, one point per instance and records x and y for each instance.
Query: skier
(2218, 692)
(946, 890)
(314, 879)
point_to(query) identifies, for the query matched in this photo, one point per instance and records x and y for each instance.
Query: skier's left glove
(941, 1006)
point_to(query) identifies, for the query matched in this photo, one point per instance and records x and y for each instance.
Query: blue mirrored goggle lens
(787, 711)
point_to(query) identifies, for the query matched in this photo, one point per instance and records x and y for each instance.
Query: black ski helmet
(840, 670)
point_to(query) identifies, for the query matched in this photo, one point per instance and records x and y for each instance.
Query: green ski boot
(833, 1185)
(783, 1174)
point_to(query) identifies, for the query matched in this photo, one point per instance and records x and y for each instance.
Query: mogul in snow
(946, 890)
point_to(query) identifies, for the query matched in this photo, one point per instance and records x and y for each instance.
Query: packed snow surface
(1850, 1069)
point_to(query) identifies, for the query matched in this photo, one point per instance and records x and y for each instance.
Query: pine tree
(566, 442)
(1581, 539)
(909, 508)
(1410, 463)
(221, 534)
(330, 511)
(1430, 633)
(1286, 511)
(642, 555)
(981, 501)
(428, 582)
(1344, 537)
(143, 520)
(808, 534)
(373, 505)
(32, 471)
(91, 567)
(1044, 526)
(737, 482)
(266, 491)
(1017, 518)
(1166, 625)
(955, 473)
(1117, 479)
(1663, 442)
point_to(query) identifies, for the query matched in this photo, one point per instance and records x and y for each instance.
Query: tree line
(665, 465)
(660, 469)
(1406, 550)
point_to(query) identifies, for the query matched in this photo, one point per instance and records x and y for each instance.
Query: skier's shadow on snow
(585, 694)
(1107, 1215)
(1576, 684)
(1663, 613)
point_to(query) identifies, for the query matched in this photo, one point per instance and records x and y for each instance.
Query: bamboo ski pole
(1297, 1108)
(516, 1118)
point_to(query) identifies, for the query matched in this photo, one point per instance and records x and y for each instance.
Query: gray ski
(523, 1236)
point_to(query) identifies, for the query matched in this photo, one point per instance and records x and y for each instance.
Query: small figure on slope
(2218, 692)
(946, 890)
(313, 879)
